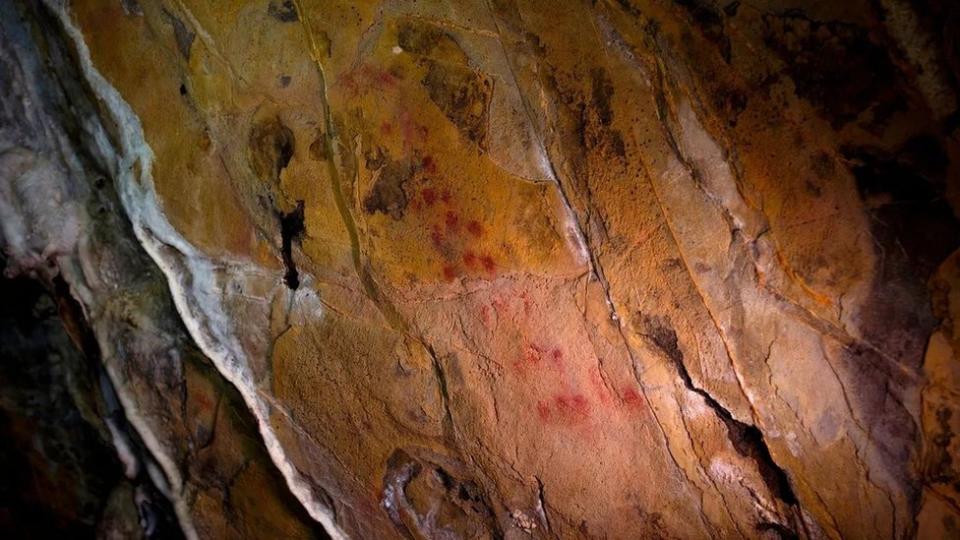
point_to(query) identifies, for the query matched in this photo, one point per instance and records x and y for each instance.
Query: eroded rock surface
(498, 269)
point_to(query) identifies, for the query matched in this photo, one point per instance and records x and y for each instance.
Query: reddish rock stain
(488, 263)
(570, 409)
(203, 402)
(469, 259)
(411, 132)
(475, 228)
(452, 220)
(368, 76)
(385, 78)
(485, 315)
(445, 196)
(535, 357)
(557, 356)
(428, 164)
(543, 410)
(523, 295)
(632, 399)
(436, 238)
(449, 272)
(429, 196)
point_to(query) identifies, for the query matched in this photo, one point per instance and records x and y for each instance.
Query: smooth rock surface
(498, 268)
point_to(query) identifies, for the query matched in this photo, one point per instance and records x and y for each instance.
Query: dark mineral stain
(388, 195)
(318, 148)
(463, 95)
(731, 9)
(938, 461)
(271, 147)
(709, 20)
(184, 36)
(914, 229)
(291, 228)
(600, 94)
(284, 11)
(824, 166)
(658, 330)
(835, 65)
(905, 190)
(595, 124)
(131, 7)
(419, 38)
(730, 102)
(374, 158)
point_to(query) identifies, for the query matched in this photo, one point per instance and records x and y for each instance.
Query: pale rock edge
(197, 303)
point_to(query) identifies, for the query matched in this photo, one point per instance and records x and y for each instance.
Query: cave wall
(635, 269)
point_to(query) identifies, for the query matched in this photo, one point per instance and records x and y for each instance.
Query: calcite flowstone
(497, 268)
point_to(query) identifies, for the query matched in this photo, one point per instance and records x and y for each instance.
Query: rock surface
(491, 269)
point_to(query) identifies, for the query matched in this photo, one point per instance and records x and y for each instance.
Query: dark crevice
(291, 228)
(157, 516)
(46, 431)
(448, 429)
(746, 439)
(782, 532)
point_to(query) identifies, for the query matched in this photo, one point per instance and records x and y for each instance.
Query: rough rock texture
(483, 269)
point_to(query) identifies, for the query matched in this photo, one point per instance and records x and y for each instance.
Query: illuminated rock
(493, 269)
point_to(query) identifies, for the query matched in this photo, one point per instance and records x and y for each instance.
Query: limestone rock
(496, 269)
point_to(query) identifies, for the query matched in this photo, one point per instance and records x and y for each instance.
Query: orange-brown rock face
(505, 268)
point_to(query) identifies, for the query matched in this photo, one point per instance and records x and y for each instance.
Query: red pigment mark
(469, 259)
(429, 196)
(631, 399)
(534, 356)
(203, 402)
(475, 228)
(436, 237)
(385, 78)
(452, 220)
(485, 315)
(366, 76)
(449, 272)
(488, 263)
(523, 295)
(556, 356)
(428, 164)
(445, 196)
(386, 128)
(571, 409)
(530, 358)
(543, 410)
(412, 133)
